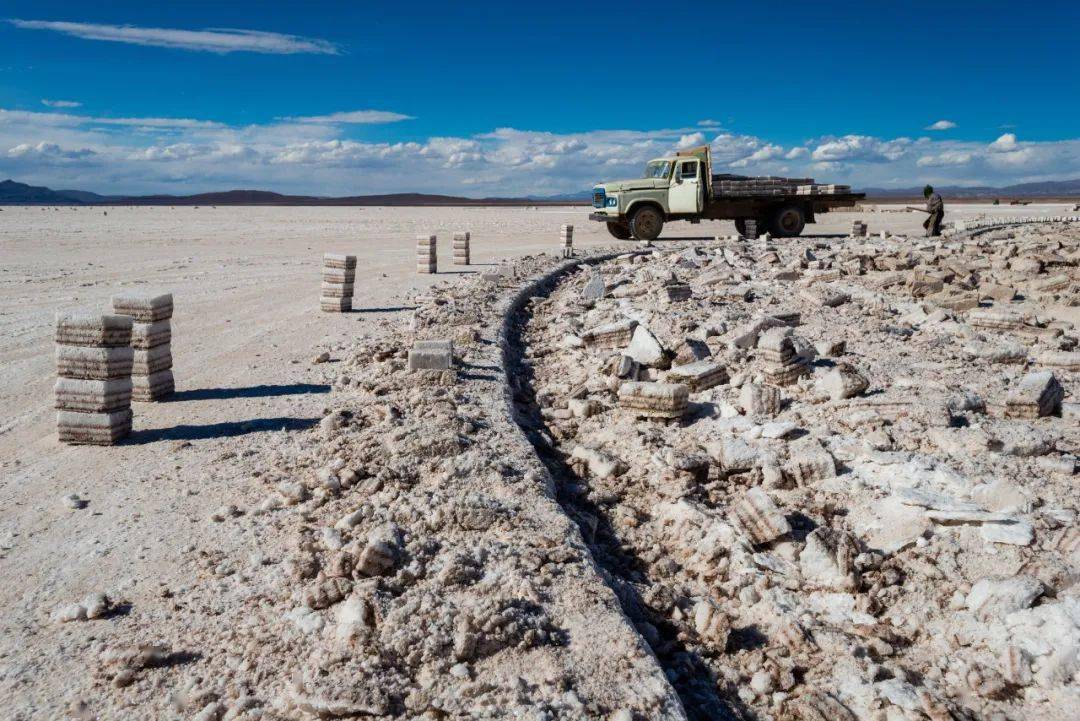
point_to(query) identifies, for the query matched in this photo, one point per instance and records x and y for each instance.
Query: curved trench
(693, 681)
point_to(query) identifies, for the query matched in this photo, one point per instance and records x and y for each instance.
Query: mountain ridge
(15, 193)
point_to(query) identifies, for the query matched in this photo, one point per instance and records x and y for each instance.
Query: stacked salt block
(93, 391)
(426, 258)
(566, 238)
(782, 365)
(338, 277)
(461, 247)
(610, 335)
(654, 400)
(858, 229)
(151, 341)
(751, 229)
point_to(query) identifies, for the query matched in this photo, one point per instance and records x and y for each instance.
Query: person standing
(935, 207)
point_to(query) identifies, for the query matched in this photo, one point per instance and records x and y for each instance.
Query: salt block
(339, 275)
(337, 260)
(758, 517)
(699, 376)
(92, 363)
(610, 335)
(93, 396)
(93, 428)
(336, 290)
(152, 360)
(89, 328)
(654, 400)
(152, 387)
(335, 305)
(144, 307)
(431, 355)
(1037, 394)
(843, 381)
(151, 335)
(645, 348)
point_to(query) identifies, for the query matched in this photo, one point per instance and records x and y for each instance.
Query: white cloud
(941, 125)
(177, 155)
(360, 117)
(1004, 144)
(861, 148)
(690, 140)
(61, 103)
(709, 123)
(949, 157)
(49, 153)
(213, 40)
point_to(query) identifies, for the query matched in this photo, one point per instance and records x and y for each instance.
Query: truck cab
(671, 188)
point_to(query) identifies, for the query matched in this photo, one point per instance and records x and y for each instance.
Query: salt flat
(246, 327)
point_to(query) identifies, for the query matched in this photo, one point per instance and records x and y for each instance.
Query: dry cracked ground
(825, 478)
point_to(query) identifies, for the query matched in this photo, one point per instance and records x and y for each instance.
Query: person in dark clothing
(935, 206)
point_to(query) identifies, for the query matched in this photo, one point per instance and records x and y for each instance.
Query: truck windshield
(657, 169)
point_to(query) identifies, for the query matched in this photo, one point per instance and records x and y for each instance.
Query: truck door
(684, 195)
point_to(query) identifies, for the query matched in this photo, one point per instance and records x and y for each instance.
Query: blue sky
(484, 98)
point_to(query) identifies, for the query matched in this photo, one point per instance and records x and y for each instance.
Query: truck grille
(599, 198)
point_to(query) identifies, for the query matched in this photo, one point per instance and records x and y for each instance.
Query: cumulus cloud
(949, 157)
(360, 117)
(862, 148)
(941, 125)
(1004, 144)
(49, 153)
(61, 103)
(690, 140)
(213, 40)
(146, 154)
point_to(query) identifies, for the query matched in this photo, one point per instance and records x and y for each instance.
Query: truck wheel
(646, 223)
(788, 222)
(740, 226)
(619, 230)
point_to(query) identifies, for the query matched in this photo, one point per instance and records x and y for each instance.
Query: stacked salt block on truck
(151, 343)
(427, 261)
(461, 247)
(566, 241)
(338, 277)
(93, 391)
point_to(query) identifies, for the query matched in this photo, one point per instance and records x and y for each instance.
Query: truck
(683, 187)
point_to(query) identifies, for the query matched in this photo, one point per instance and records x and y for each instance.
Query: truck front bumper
(604, 218)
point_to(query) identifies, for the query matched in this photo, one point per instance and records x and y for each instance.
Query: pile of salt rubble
(837, 480)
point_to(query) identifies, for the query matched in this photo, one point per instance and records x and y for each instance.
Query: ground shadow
(457, 272)
(263, 391)
(387, 309)
(219, 430)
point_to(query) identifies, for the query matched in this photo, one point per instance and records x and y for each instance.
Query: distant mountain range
(13, 193)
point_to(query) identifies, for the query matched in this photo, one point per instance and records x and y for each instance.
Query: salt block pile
(427, 260)
(566, 241)
(461, 247)
(876, 469)
(751, 229)
(93, 390)
(151, 341)
(858, 229)
(338, 279)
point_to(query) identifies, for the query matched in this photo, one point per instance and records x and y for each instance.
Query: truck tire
(646, 223)
(619, 230)
(788, 221)
(740, 226)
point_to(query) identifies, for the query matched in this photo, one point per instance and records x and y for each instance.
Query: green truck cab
(683, 187)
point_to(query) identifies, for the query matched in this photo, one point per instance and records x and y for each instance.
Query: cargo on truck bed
(683, 187)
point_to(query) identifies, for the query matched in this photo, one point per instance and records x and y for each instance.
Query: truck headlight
(612, 201)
